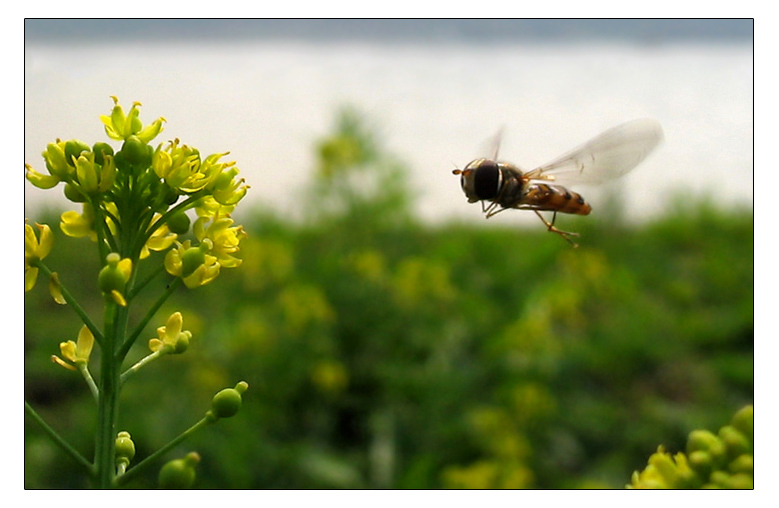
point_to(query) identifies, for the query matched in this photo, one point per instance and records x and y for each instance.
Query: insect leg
(550, 227)
(490, 209)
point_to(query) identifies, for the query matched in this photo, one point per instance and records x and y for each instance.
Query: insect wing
(609, 155)
(491, 146)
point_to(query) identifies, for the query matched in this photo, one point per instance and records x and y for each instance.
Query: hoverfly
(610, 155)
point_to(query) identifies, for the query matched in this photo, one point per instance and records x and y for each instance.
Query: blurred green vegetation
(384, 352)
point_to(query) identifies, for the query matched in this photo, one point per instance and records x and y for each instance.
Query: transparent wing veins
(607, 156)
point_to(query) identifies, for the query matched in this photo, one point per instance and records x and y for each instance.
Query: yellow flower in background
(35, 249)
(120, 126)
(77, 353)
(330, 376)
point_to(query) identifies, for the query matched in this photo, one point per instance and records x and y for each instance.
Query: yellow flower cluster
(713, 461)
(134, 200)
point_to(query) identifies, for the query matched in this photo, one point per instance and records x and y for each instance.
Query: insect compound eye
(487, 180)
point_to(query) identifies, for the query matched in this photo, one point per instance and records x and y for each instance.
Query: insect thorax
(512, 187)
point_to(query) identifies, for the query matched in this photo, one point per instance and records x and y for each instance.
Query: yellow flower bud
(86, 172)
(40, 180)
(57, 163)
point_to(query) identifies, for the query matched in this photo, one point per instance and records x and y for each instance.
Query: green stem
(72, 452)
(143, 361)
(84, 369)
(138, 468)
(108, 402)
(74, 305)
(105, 239)
(184, 205)
(139, 286)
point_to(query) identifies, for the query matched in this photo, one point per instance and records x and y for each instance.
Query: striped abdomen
(553, 198)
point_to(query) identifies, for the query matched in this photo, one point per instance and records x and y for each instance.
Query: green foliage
(387, 353)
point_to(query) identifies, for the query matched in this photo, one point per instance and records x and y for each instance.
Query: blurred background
(391, 337)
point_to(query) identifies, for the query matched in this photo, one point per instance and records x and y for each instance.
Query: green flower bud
(182, 342)
(193, 258)
(136, 151)
(73, 149)
(73, 194)
(112, 277)
(227, 402)
(171, 196)
(735, 442)
(179, 223)
(56, 163)
(121, 161)
(101, 150)
(179, 473)
(125, 448)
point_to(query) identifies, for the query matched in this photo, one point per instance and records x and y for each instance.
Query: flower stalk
(133, 201)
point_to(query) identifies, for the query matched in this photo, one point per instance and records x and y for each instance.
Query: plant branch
(149, 315)
(96, 333)
(138, 468)
(135, 368)
(58, 440)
